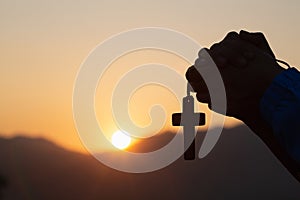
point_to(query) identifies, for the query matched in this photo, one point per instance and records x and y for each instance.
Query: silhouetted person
(265, 96)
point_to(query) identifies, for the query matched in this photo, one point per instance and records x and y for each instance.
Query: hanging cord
(188, 90)
(283, 62)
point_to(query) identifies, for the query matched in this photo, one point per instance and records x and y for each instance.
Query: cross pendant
(188, 119)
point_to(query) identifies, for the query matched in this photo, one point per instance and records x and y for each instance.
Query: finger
(203, 98)
(192, 75)
(196, 80)
(258, 39)
(253, 38)
(219, 60)
(199, 87)
(231, 53)
(214, 46)
(203, 53)
(231, 35)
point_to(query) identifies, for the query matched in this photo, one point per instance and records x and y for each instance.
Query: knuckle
(188, 74)
(214, 46)
(203, 52)
(203, 97)
(260, 34)
(231, 35)
(192, 74)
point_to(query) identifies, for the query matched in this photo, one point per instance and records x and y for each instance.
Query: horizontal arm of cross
(197, 120)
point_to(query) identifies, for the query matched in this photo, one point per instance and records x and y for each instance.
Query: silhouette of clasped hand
(248, 67)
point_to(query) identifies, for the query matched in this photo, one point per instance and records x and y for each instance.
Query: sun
(120, 140)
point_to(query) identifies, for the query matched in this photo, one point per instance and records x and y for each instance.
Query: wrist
(273, 74)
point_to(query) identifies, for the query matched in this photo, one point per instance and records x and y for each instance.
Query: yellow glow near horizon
(120, 140)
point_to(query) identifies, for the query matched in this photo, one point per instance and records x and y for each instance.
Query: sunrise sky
(43, 44)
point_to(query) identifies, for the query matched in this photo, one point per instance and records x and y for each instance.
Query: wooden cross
(188, 119)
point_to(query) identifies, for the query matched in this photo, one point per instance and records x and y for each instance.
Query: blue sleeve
(280, 107)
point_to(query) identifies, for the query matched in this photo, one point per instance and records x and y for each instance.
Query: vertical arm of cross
(188, 127)
(188, 119)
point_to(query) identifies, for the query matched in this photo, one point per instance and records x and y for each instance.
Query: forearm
(278, 126)
(264, 131)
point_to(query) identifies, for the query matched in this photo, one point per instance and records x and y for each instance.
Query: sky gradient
(43, 44)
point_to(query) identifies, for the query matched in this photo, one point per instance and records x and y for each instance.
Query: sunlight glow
(120, 140)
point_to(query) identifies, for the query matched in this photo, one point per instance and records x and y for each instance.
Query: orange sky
(43, 44)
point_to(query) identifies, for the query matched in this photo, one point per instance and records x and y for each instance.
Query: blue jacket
(280, 107)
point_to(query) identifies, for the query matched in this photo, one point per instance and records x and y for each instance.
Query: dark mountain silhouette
(239, 167)
(2, 185)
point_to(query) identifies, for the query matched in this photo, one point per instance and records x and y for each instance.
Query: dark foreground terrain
(239, 167)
